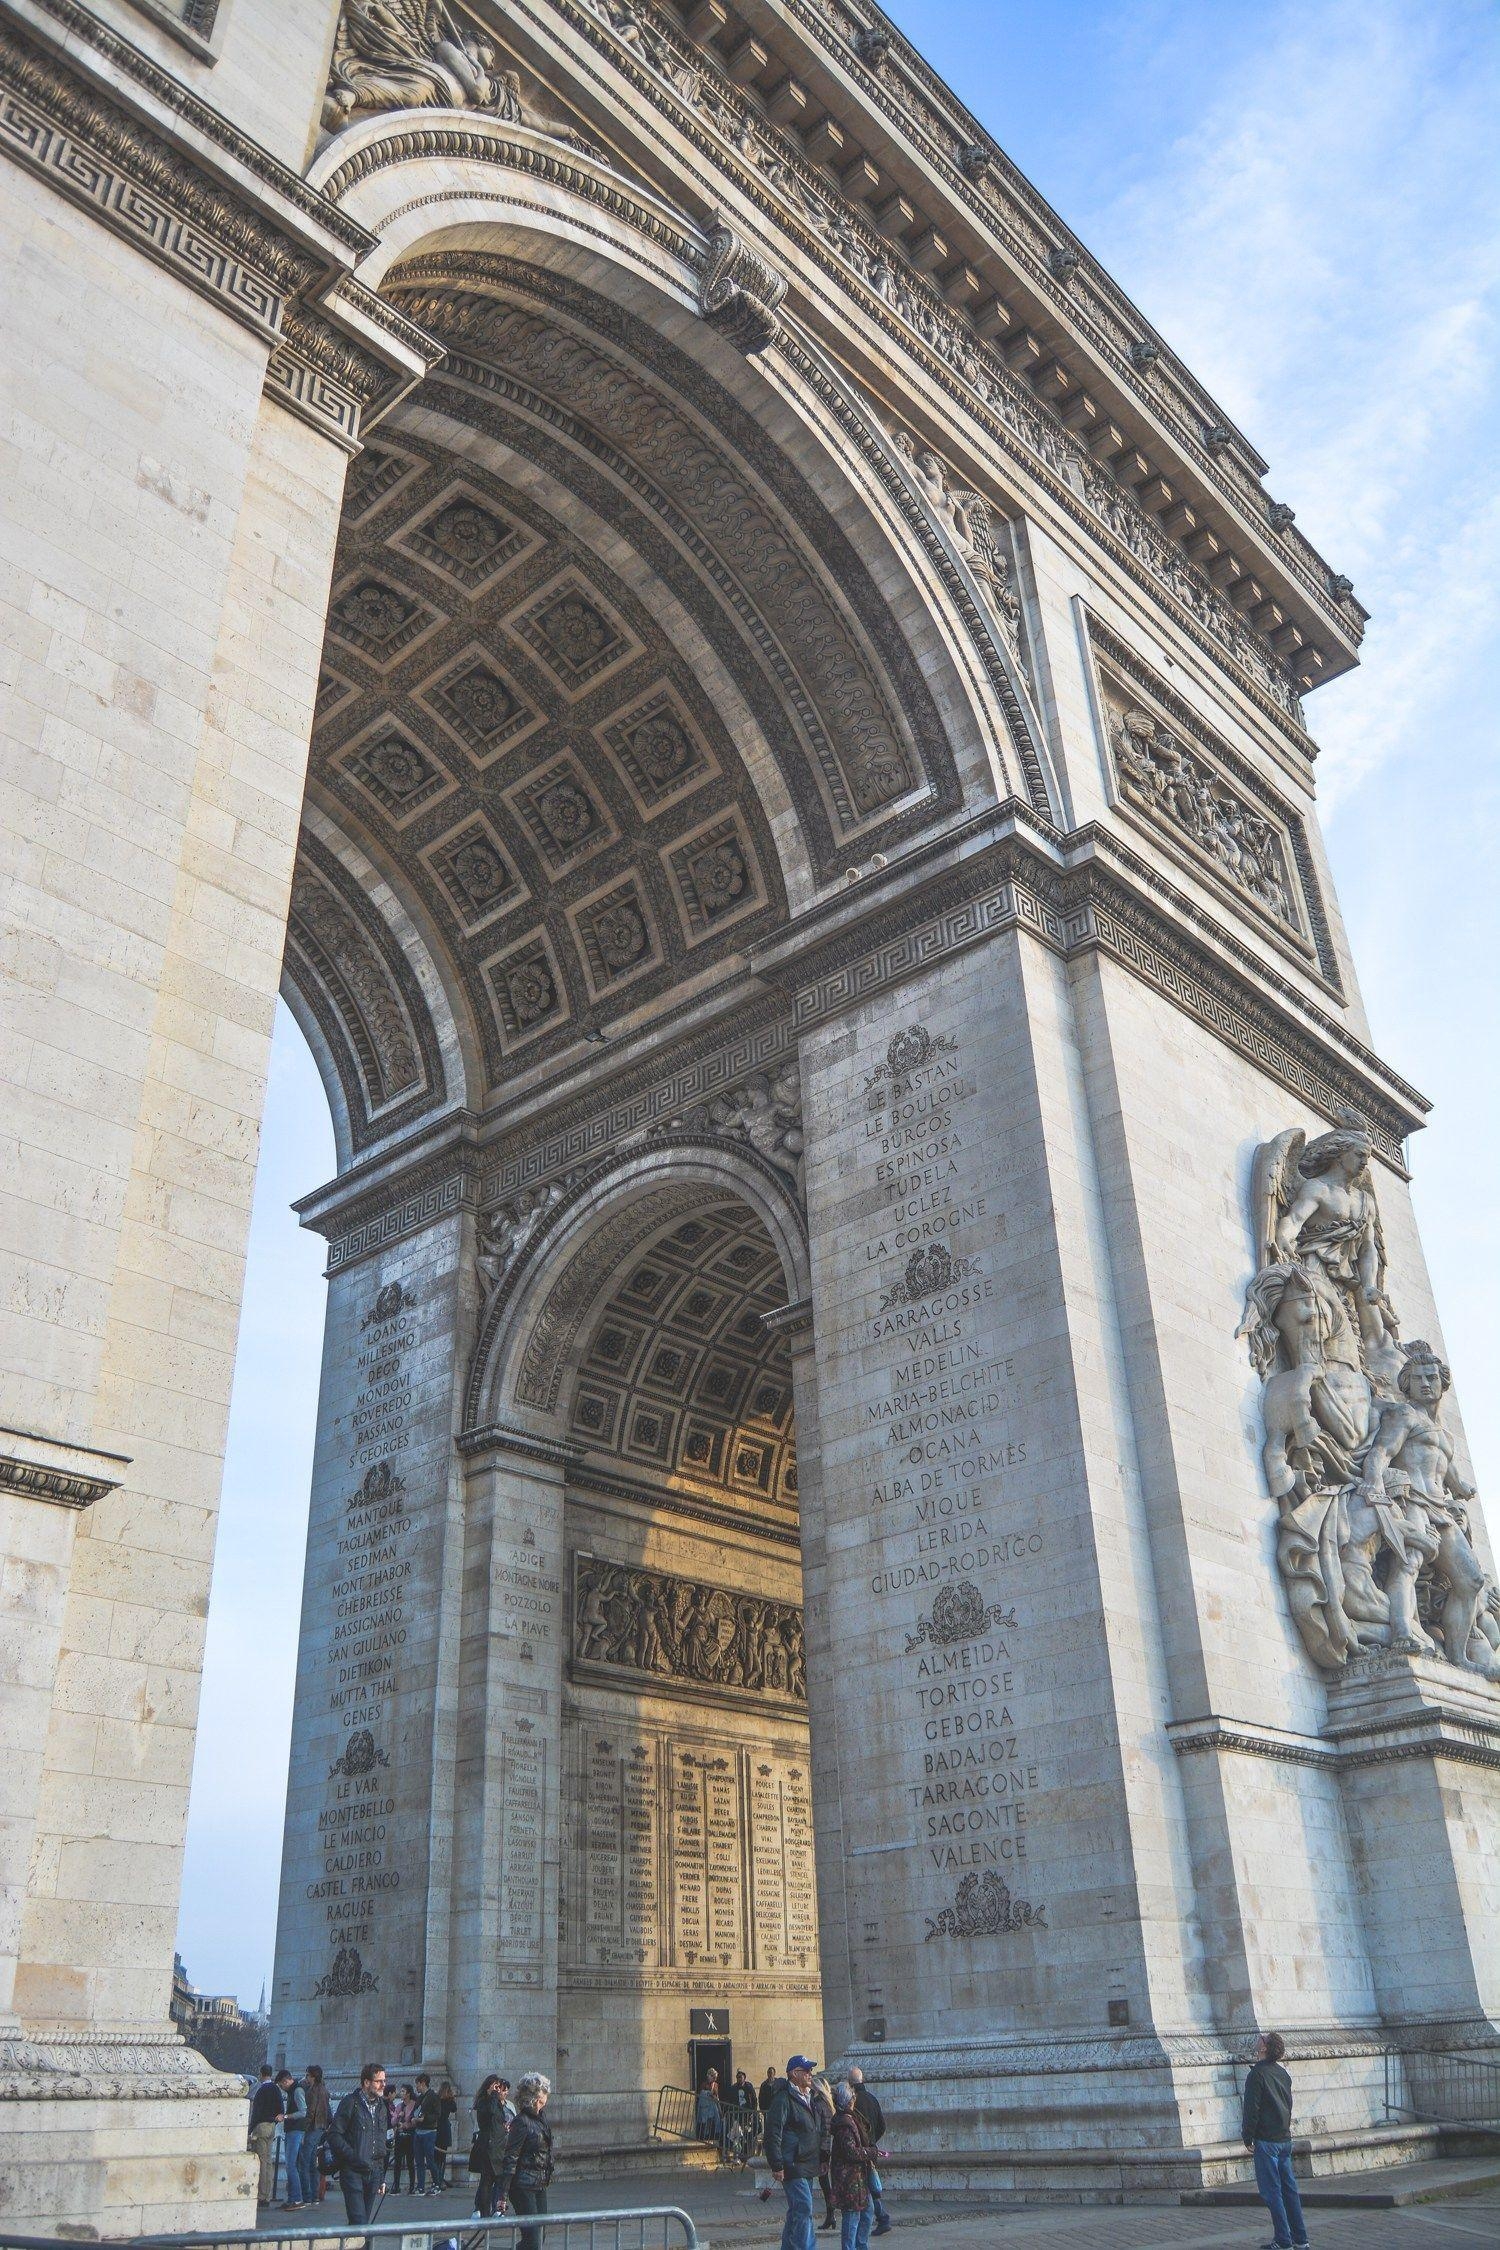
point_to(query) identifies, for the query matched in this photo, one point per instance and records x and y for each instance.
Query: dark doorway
(705, 2055)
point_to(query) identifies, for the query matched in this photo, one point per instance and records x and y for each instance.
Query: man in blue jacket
(793, 2140)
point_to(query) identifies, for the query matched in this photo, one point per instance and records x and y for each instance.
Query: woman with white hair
(526, 2170)
(850, 2160)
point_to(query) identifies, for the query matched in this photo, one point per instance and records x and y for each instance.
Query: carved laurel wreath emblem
(960, 1613)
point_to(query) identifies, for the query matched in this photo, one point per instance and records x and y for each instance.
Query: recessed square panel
(476, 873)
(650, 1432)
(646, 1285)
(617, 935)
(722, 1384)
(380, 618)
(703, 1450)
(476, 700)
(333, 692)
(700, 1310)
(375, 475)
(715, 877)
(530, 996)
(595, 1412)
(571, 629)
(563, 813)
(657, 750)
(466, 537)
(402, 776)
(751, 1464)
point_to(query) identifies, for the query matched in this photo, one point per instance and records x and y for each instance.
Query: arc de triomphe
(884, 1468)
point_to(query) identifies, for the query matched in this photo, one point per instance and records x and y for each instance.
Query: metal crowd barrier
(1442, 2089)
(659, 2227)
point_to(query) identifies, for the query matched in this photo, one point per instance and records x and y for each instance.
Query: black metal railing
(676, 2115)
(659, 2227)
(1442, 2089)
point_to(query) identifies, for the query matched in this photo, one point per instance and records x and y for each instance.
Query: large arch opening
(632, 653)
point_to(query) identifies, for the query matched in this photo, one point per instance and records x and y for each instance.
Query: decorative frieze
(1209, 803)
(1179, 790)
(657, 1626)
(902, 301)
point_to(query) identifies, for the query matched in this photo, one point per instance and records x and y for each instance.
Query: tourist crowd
(813, 2134)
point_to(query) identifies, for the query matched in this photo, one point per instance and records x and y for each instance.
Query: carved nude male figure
(1410, 1482)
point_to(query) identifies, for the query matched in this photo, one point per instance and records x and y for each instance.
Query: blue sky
(1306, 200)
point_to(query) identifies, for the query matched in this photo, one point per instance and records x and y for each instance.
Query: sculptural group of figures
(1373, 1541)
(649, 1621)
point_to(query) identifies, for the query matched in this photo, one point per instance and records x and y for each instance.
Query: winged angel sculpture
(1373, 1542)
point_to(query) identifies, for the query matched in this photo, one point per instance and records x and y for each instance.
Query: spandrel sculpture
(1373, 1543)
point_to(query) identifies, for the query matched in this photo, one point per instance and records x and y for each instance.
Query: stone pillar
(162, 644)
(362, 1936)
(1017, 1894)
(508, 1760)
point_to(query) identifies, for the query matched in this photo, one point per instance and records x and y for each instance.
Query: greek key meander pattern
(146, 210)
(407, 1217)
(1144, 943)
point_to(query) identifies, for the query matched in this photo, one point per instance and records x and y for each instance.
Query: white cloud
(1323, 247)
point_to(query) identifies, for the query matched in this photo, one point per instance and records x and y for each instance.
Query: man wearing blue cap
(793, 2139)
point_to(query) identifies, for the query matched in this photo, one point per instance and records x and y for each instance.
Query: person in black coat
(356, 2142)
(494, 2114)
(526, 2172)
(1266, 2129)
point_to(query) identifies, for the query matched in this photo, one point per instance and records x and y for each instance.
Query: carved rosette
(738, 293)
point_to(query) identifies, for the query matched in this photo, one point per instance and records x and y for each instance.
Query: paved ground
(726, 2210)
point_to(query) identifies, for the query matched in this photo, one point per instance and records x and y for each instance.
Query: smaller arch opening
(687, 1879)
(682, 1383)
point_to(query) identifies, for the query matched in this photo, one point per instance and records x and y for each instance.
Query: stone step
(1386, 2190)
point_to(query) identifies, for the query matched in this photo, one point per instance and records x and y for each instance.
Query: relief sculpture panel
(1373, 1539)
(651, 1623)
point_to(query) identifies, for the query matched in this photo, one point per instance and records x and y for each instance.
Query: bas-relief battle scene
(880, 1470)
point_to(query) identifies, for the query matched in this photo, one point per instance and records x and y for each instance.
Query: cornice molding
(85, 30)
(63, 1475)
(717, 118)
(978, 177)
(1462, 1734)
(681, 1500)
(58, 125)
(213, 208)
(526, 1445)
(1083, 893)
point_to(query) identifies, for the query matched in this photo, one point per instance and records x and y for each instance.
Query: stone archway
(804, 664)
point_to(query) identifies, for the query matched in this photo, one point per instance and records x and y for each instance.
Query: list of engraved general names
(942, 1436)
